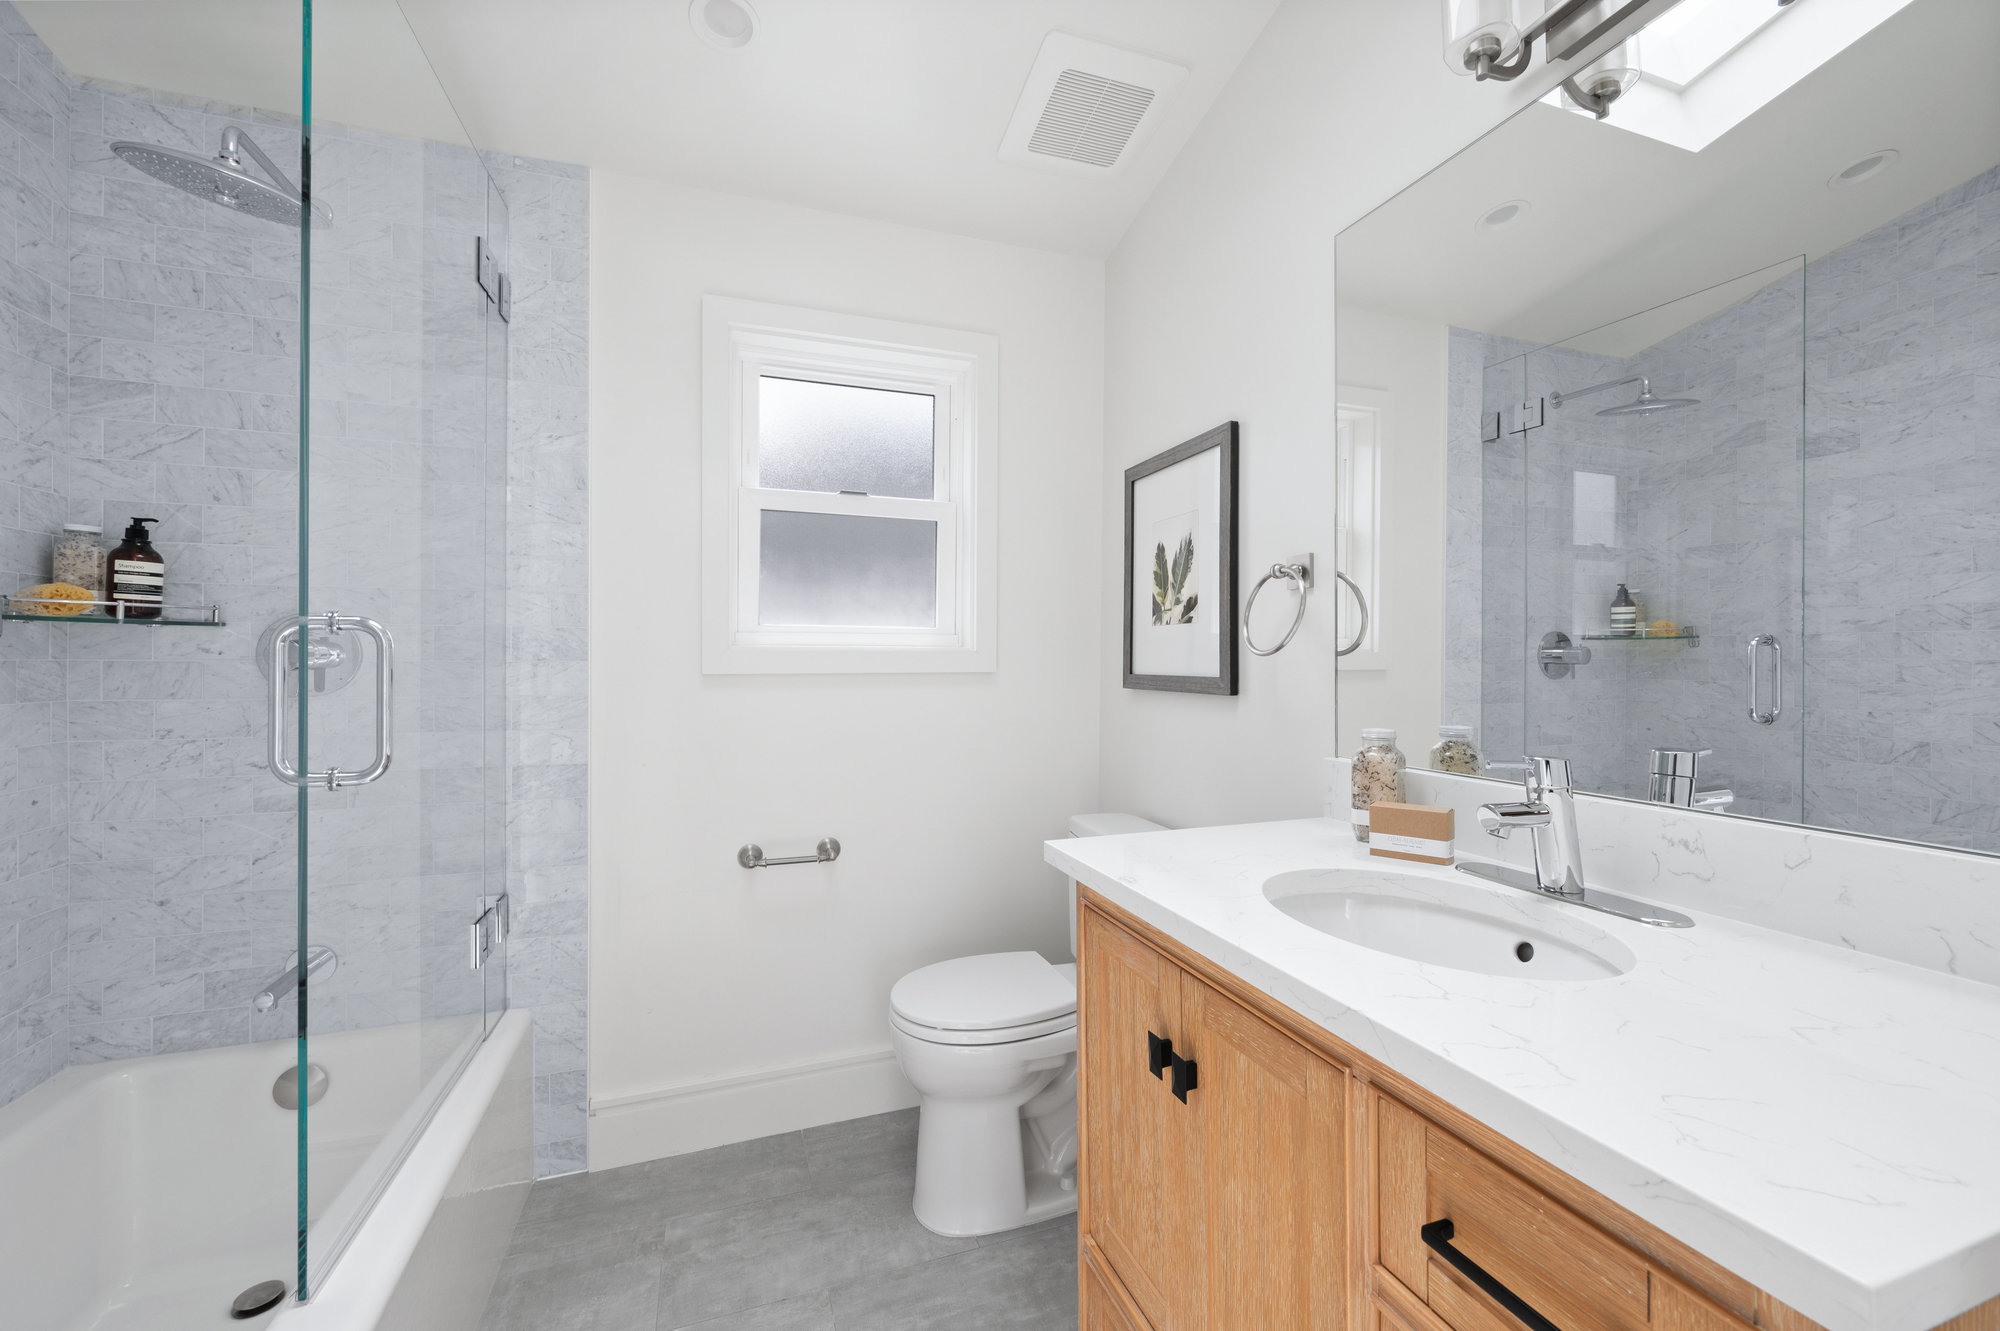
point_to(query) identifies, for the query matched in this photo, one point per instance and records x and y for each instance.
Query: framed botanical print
(1180, 567)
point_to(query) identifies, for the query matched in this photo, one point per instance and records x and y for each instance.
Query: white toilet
(990, 1044)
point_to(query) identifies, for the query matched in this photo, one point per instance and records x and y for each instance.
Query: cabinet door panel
(1105, 1307)
(1133, 1203)
(1268, 1119)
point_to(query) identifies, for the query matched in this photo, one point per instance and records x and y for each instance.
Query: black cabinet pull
(1437, 1236)
(1184, 1077)
(1158, 1052)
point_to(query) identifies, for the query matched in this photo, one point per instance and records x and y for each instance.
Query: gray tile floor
(808, 1231)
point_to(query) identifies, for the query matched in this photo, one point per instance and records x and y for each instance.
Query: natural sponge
(55, 598)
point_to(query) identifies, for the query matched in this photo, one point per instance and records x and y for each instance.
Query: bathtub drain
(260, 1297)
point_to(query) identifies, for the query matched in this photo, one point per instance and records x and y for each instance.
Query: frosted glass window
(836, 569)
(836, 437)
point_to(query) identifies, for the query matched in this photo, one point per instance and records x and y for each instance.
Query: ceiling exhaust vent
(1086, 106)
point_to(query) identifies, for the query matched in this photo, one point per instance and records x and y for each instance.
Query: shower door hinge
(492, 926)
(495, 283)
(486, 268)
(1514, 420)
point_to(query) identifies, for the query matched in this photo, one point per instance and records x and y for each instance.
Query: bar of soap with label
(1421, 832)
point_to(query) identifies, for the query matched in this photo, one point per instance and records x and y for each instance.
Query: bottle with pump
(135, 576)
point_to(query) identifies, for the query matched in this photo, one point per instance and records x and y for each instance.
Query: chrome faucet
(1549, 814)
(1674, 779)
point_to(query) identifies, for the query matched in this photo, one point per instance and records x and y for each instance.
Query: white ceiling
(892, 109)
(1621, 223)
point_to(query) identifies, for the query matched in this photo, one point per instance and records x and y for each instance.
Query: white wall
(1403, 684)
(1220, 305)
(727, 1004)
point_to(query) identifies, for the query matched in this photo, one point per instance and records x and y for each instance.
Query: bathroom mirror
(1677, 427)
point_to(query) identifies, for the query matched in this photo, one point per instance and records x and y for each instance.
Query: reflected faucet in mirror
(1674, 780)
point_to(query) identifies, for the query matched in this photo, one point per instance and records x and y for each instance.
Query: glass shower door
(1662, 501)
(405, 519)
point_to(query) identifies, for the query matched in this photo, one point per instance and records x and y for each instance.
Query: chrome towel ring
(1361, 633)
(1299, 573)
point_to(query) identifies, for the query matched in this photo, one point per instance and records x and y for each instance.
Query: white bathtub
(146, 1193)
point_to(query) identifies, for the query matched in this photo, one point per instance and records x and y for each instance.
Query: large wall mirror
(1701, 403)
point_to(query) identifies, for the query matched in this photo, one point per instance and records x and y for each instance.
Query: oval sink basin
(1447, 924)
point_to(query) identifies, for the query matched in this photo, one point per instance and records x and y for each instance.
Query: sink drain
(260, 1297)
(1525, 950)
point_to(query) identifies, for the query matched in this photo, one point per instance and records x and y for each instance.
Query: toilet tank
(1099, 824)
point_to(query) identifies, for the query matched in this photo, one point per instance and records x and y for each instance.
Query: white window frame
(742, 341)
(1360, 452)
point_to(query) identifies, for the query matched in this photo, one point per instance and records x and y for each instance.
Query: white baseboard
(716, 1111)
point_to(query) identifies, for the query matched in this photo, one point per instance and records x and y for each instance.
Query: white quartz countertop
(1822, 1122)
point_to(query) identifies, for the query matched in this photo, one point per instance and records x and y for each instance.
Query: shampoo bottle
(135, 576)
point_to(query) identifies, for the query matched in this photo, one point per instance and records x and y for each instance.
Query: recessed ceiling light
(1864, 168)
(725, 24)
(1500, 214)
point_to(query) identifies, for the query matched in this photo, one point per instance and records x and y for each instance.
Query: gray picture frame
(1223, 681)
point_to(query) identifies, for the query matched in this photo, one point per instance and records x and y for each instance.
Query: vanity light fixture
(1863, 168)
(1501, 214)
(1488, 40)
(727, 25)
(1604, 80)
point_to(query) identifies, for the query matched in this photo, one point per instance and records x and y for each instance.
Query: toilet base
(969, 1184)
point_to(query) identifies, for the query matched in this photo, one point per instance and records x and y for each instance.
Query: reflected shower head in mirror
(222, 179)
(1643, 405)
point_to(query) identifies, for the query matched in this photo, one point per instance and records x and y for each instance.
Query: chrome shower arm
(1557, 399)
(234, 139)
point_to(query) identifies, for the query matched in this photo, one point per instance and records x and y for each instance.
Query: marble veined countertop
(1822, 1122)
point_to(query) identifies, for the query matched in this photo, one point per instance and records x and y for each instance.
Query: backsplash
(1938, 909)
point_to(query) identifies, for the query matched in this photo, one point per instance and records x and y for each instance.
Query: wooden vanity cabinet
(1242, 1170)
(1213, 1167)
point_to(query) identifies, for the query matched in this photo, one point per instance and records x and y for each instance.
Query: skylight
(1709, 65)
(1693, 37)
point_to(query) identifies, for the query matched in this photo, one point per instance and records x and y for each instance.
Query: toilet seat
(997, 998)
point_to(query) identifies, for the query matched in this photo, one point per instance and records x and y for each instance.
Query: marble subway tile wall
(1902, 610)
(34, 707)
(547, 417)
(183, 406)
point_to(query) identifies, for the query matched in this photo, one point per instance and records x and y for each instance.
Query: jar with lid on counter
(1454, 751)
(78, 558)
(1378, 776)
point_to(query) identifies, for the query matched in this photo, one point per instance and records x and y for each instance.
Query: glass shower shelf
(1681, 635)
(24, 610)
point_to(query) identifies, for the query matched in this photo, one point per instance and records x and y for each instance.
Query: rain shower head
(1643, 405)
(221, 179)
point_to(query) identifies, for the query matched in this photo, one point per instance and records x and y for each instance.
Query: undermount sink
(1448, 924)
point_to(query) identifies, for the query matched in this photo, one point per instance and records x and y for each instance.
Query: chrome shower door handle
(1761, 715)
(334, 778)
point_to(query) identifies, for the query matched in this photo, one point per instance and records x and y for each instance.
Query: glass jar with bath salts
(1378, 776)
(78, 557)
(1454, 751)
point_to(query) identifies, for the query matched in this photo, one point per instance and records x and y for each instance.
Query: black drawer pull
(1159, 1052)
(1184, 1077)
(1437, 1236)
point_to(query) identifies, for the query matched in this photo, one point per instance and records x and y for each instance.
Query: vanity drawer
(1549, 1258)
